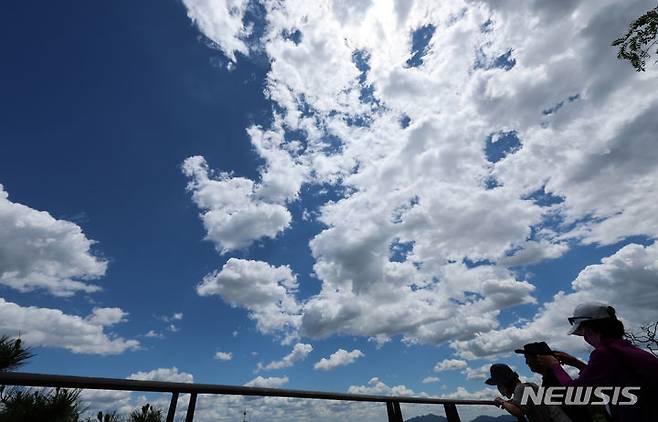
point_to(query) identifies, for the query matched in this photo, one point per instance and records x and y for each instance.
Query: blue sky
(103, 103)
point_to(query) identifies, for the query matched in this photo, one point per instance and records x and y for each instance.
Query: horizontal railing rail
(176, 388)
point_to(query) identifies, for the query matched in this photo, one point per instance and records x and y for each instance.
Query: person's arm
(567, 359)
(595, 372)
(510, 407)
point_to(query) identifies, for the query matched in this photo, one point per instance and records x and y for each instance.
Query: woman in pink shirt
(615, 362)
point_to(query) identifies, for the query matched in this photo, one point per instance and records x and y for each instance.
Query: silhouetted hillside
(435, 418)
(428, 418)
(501, 418)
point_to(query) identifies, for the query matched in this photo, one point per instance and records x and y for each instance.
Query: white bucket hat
(588, 311)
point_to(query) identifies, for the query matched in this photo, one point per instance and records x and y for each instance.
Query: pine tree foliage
(636, 45)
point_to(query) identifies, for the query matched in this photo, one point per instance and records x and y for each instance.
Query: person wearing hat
(531, 352)
(510, 386)
(614, 362)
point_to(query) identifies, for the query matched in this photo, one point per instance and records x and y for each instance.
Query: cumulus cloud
(430, 380)
(377, 387)
(421, 239)
(222, 22)
(53, 328)
(267, 382)
(233, 214)
(450, 364)
(267, 292)
(628, 280)
(107, 316)
(38, 251)
(162, 374)
(340, 357)
(108, 401)
(224, 356)
(299, 352)
(479, 373)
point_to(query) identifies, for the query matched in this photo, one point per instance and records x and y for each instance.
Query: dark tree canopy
(147, 414)
(636, 45)
(59, 405)
(645, 337)
(13, 353)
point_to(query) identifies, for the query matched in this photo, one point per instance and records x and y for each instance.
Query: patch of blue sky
(543, 198)
(499, 145)
(294, 35)
(398, 213)
(555, 108)
(398, 251)
(332, 144)
(361, 59)
(304, 107)
(487, 26)
(405, 121)
(562, 225)
(255, 19)
(490, 182)
(358, 120)
(474, 264)
(297, 136)
(468, 297)
(129, 117)
(420, 40)
(504, 61)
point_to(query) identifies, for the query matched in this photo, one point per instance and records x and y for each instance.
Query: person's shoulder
(518, 390)
(604, 351)
(522, 386)
(620, 346)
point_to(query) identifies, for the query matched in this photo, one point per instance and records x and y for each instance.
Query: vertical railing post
(172, 407)
(190, 408)
(393, 411)
(451, 412)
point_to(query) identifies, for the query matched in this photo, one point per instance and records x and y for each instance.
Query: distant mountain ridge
(501, 418)
(436, 418)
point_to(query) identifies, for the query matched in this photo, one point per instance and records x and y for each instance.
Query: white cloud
(450, 364)
(233, 214)
(267, 382)
(53, 328)
(107, 401)
(299, 352)
(177, 316)
(430, 380)
(378, 387)
(417, 205)
(628, 280)
(162, 374)
(340, 357)
(224, 356)
(222, 22)
(107, 316)
(153, 334)
(267, 292)
(124, 402)
(38, 251)
(479, 373)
